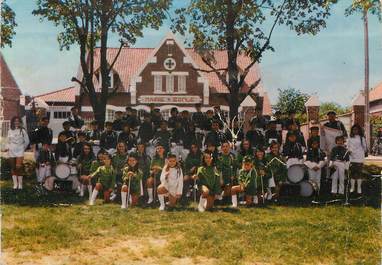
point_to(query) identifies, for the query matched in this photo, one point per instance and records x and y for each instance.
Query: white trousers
(338, 178)
(43, 172)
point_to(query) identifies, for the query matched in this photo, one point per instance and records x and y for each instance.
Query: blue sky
(329, 64)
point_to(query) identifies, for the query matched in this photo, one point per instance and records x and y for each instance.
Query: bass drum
(62, 171)
(295, 174)
(308, 188)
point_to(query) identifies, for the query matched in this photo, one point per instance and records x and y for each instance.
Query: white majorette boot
(255, 199)
(161, 201)
(359, 186)
(14, 178)
(352, 185)
(201, 206)
(20, 182)
(150, 193)
(90, 191)
(82, 187)
(234, 201)
(94, 197)
(124, 199)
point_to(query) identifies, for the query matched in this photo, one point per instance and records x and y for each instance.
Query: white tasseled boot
(234, 201)
(255, 199)
(352, 185)
(269, 194)
(94, 197)
(20, 182)
(90, 191)
(82, 188)
(124, 199)
(150, 193)
(161, 200)
(14, 178)
(359, 186)
(201, 206)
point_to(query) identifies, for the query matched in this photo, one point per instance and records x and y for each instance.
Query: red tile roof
(376, 93)
(7, 80)
(131, 60)
(66, 95)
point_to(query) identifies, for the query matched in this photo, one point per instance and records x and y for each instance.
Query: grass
(42, 233)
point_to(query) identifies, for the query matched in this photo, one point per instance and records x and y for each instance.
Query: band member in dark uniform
(272, 134)
(198, 117)
(146, 130)
(335, 124)
(215, 136)
(118, 121)
(108, 139)
(75, 120)
(174, 117)
(42, 135)
(70, 135)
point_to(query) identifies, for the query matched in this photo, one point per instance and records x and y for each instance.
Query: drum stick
(128, 191)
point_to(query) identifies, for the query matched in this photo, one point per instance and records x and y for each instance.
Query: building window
(61, 114)
(169, 83)
(157, 84)
(110, 115)
(182, 84)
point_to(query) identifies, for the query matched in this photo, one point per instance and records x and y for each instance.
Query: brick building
(166, 76)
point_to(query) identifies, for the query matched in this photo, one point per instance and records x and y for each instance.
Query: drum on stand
(73, 167)
(295, 173)
(62, 171)
(308, 188)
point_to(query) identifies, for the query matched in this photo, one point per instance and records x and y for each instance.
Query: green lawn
(50, 233)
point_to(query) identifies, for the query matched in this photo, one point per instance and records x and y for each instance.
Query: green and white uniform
(157, 162)
(209, 177)
(276, 167)
(192, 161)
(135, 182)
(106, 176)
(249, 180)
(118, 161)
(227, 165)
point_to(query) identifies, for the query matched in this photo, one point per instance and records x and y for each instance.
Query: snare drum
(295, 174)
(62, 171)
(308, 188)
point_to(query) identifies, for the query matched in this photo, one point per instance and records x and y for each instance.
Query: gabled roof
(7, 79)
(376, 93)
(131, 60)
(66, 95)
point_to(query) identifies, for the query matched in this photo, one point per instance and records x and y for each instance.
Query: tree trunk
(233, 106)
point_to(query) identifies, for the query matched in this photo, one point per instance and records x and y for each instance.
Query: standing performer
(105, 180)
(262, 184)
(75, 120)
(255, 136)
(71, 136)
(127, 137)
(44, 163)
(209, 182)
(245, 150)
(272, 134)
(314, 136)
(118, 161)
(171, 182)
(227, 165)
(77, 147)
(339, 161)
(315, 161)
(193, 161)
(132, 182)
(277, 168)
(156, 167)
(42, 135)
(84, 164)
(146, 130)
(215, 136)
(163, 136)
(108, 139)
(247, 182)
(356, 144)
(144, 162)
(17, 142)
(93, 136)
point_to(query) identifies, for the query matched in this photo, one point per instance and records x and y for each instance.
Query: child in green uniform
(84, 163)
(276, 166)
(156, 167)
(227, 166)
(245, 150)
(191, 164)
(105, 179)
(247, 182)
(119, 161)
(132, 180)
(209, 182)
(144, 162)
(262, 175)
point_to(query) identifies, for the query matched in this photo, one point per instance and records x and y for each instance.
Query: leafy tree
(291, 99)
(87, 23)
(8, 24)
(244, 27)
(328, 106)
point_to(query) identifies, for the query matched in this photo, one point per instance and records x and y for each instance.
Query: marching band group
(185, 155)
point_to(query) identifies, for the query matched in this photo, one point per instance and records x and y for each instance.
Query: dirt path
(148, 251)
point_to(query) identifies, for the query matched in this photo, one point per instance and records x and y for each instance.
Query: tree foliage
(369, 6)
(291, 99)
(332, 106)
(88, 23)
(8, 24)
(244, 27)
